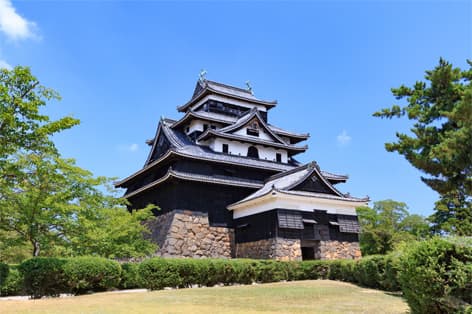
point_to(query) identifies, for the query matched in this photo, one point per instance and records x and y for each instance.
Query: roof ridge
(286, 173)
(230, 86)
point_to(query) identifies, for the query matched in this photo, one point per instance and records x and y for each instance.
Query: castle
(228, 185)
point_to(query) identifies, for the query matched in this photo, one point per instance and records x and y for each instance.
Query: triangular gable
(314, 182)
(160, 145)
(198, 89)
(253, 118)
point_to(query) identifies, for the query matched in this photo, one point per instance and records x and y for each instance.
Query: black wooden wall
(265, 226)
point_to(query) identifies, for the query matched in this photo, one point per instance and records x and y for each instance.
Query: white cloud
(129, 148)
(133, 147)
(12, 24)
(343, 138)
(5, 65)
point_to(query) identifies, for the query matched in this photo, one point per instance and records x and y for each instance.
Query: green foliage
(4, 270)
(130, 278)
(158, 273)
(315, 269)
(369, 270)
(22, 126)
(342, 270)
(61, 205)
(13, 250)
(441, 141)
(436, 276)
(85, 274)
(46, 201)
(271, 271)
(13, 285)
(43, 276)
(388, 224)
(389, 279)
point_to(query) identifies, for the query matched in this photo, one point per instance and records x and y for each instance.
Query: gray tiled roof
(284, 182)
(207, 86)
(223, 88)
(281, 131)
(225, 180)
(183, 146)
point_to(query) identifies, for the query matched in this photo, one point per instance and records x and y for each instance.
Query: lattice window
(290, 220)
(348, 224)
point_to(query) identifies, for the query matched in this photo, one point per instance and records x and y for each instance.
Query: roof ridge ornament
(202, 76)
(249, 88)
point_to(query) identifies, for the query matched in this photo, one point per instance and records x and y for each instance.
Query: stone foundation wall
(329, 250)
(183, 233)
(275, 248)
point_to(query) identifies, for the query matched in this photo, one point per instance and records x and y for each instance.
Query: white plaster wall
(302, 203)
(262, 134)
(240, 149)
(197, 125)
(229, 101)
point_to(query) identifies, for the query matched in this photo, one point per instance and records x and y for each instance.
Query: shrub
(314, 270)
(13, 284)
(369, 271)
(4, 269)
(245, 271)
(43, 276)
(341, 270)
(85, 274)
(436, 276)
(271, 271)
(158, 273)
(389, 279)
(130, 278)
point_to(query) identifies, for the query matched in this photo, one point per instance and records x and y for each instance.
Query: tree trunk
(36, 248)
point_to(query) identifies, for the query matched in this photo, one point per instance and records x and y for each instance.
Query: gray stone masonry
(183, 233)
(275, 248)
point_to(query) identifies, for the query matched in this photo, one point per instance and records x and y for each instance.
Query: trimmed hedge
(84, 274)
(13, 284)
(436, 276)
(43, 276)
(130, 278)
(52, 276)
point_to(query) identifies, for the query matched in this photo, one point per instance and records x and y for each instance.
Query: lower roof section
(299, 201)
(224, 180)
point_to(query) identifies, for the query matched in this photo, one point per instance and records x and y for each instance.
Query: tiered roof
(184, 147)
(287, 182)
(228, 132)
(206, 87)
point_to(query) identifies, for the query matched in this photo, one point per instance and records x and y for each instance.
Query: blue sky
(120, 66)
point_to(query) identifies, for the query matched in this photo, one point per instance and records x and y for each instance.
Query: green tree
(22, 126)
(441, 141)
(58, 207)
(47, 203)
(386, 225)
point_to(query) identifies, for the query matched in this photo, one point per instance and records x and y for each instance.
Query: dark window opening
(252, 152)
(308, 253)
(205, 127)
(225, 148)
(213, 127)
(253, 128)
(187, 129)
(278, 157)
(252, 132)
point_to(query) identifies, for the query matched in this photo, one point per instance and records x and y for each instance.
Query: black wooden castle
(224, 160)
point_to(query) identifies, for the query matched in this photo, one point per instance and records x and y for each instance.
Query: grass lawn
(315, 296)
